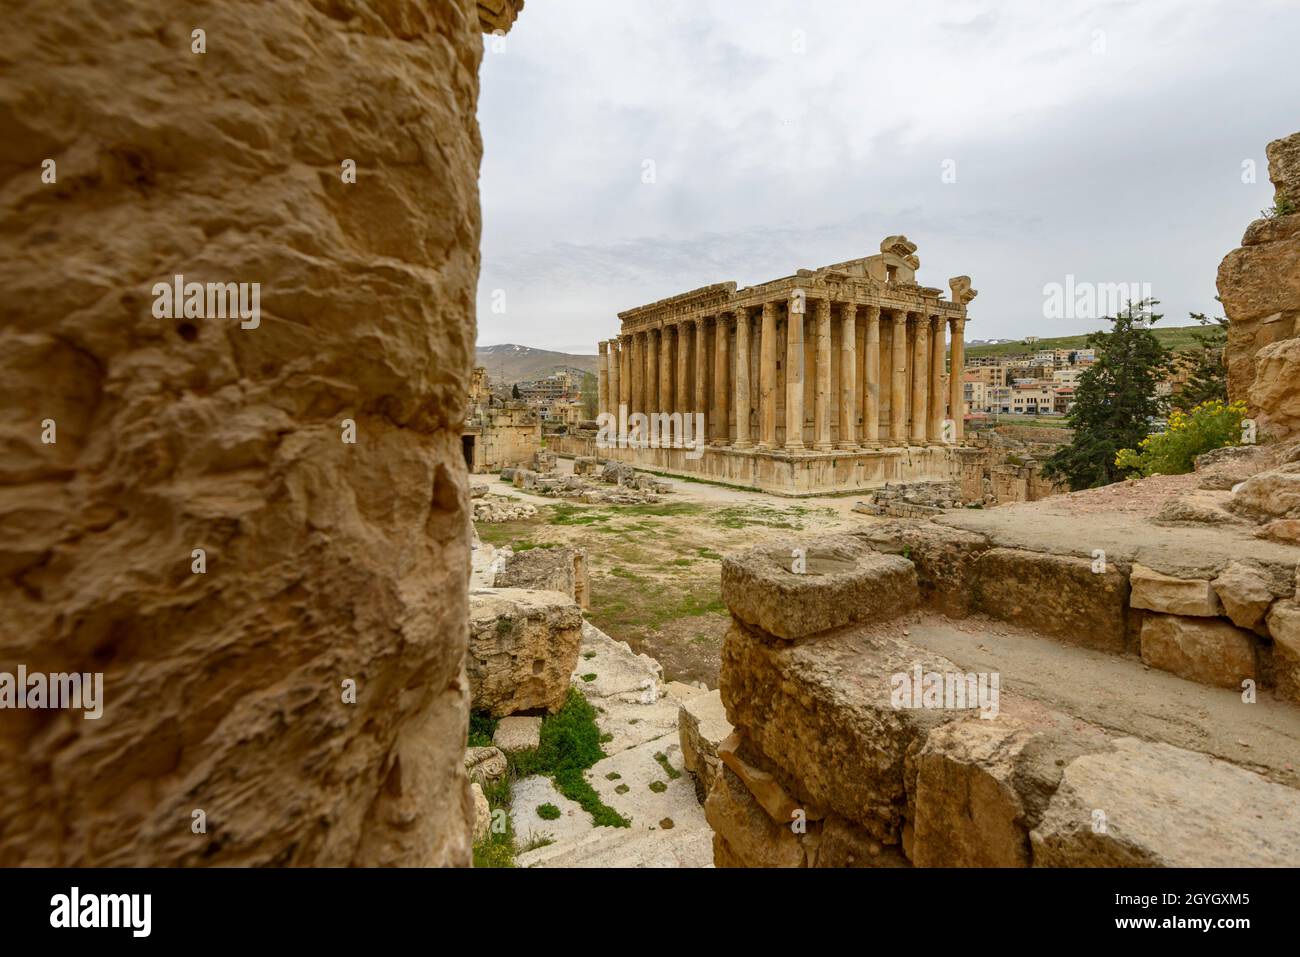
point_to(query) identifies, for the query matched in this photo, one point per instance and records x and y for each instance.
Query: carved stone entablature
(962, 293)
(498, 16)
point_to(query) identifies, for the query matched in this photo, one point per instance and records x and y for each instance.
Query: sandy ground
(655, 569)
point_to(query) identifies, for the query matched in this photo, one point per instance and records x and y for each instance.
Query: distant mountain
(1177, 338)
(511, 363)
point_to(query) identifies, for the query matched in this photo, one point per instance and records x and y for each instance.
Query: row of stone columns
(638, 373)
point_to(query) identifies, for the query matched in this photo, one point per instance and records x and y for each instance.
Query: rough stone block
(799, 588)
(1211, 651)
(944, 558)
(966, 805)
(482, 812)
(752, 838)
(1058, 595)
(843, 844)
(820, 712)
(562, 569)
(1284, 627)
(1156, 591)
(1147, 804)
(522, 650)
(518, 733)
(1244, 590)
(701, 726)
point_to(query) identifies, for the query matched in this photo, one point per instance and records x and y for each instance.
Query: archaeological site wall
(131, 442)
(1259, 285)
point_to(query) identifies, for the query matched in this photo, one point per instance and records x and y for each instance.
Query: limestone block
(1284, 530)
(1221, 469)
(1058, 595)
(820, 712)
(752, 838)
(1156, 591)
(767, 791)
(803, 587)
(1244, 590)
(701, 726)
(844, 844)
(518, 733)
(1208, 650)
(967, 812)
(944, 558)
(562, 569)
(1284, 627)
(482, 812)
(1270, 495)
(484, 764)
(1148, 804)
(523, 647)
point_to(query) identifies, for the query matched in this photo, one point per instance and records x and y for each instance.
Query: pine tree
(514, 391)
(1209, 376)
(1115, 400)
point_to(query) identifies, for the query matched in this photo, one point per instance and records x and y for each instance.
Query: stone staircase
(642, 777)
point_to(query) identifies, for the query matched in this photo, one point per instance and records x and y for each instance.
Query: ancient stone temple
(825, 380)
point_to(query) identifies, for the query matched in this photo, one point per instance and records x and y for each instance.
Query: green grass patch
(658, 787)
(613, 776)
(497, 847)
(672, 772)
(709, 554)
(591, 676)
(482, 726)
(548, 812)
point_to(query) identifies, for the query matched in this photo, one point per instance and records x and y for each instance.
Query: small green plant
(588, 655)
(659, 787)
(482, 726)
(613, 776)
(548, 812)
(1283, 207)
(672, 772)
(622, 789)
(1210, 425)
(590, 676)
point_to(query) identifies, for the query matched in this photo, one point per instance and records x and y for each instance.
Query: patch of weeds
(606, 738)
(613, 776)
(633, 720)
(525, 546)
(588, 655)
(482, 726)
(590, 676)
(658, 787)
(907, 552)
(672, 772)
(618, 571)
(548, 812)
(497, 847)
(744, 516)
(569, 744)
(565, 514)
(503, 627)
(622, 789)
(709, 554)
(537, 840)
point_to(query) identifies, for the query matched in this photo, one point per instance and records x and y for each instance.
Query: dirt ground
(655, 569)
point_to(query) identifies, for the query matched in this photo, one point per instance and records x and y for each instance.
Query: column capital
(602, 347)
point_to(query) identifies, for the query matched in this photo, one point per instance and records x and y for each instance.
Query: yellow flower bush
(1210, 425)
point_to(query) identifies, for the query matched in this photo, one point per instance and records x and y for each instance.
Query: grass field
(1177, 338)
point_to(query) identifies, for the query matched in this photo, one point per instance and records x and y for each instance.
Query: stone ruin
(1146, 671)
(630, 486)
(911, 500)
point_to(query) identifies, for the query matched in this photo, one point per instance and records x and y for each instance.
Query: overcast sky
(1103, 140)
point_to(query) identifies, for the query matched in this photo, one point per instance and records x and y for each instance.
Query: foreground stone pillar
(602, 377)
(848, 376)
(871, 388)
(898, 380)
(305, 685)
(683, 401)
(720, 381)
(937, 396)
(665, 370)
(956, 387)
(637, 372)
(920, 379)
(794, 375)
(742, 380)
(767, 378)
(701, 373)
(822, 383)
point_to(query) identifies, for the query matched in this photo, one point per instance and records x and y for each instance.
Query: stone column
(701, 375)
(871, 388)
(848, 375)
(720, 381)
(920, 379)
(625, 371)
(794, 375)
(956, 389)
(767, 378)
(937, 396)
(602, 378)
(898, 380)
(651, 372)
(683, 403)
(615, 381)
(822, 380)
(742, 379)
(636, 372)
(665, 370)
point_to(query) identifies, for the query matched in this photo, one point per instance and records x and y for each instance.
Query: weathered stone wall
(325, 561)
(1259, 285)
